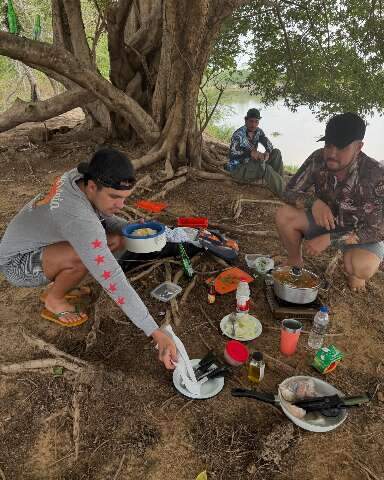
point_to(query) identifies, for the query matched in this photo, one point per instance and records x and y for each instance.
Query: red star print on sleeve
(120, 300)
(112, 287)
(106, 274)
(99, 259)
(96, 243)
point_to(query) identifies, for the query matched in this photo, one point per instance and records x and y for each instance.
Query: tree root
(48, 347)
(179, 274)
(194, 173)
(43, 363)
(149, 270)
(174, 304)
(76, 399)
(168, 187)
(219, 260)
(188, 290)
(143, 183)
(91, 338)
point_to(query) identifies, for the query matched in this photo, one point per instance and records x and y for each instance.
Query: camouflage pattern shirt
(357, 202)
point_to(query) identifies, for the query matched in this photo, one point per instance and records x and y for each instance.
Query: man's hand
(317, 245)
(255, 155)
(323, 215)
(167, 348)
(266, 156)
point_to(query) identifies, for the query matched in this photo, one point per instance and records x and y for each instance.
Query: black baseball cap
(343, 129)
(253, 113)
(110, 168)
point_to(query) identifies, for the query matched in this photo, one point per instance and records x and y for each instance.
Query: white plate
(257, 323)
(314, 421)
(208, 389)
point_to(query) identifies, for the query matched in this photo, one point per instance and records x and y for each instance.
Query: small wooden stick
(2, 476)
(329, 271)
(148, 271)
(116, 476)
(91, 338)
(207, 318)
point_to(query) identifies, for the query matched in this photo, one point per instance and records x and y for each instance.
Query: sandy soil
(133, 424)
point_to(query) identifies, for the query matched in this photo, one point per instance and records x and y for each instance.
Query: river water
(297, 131)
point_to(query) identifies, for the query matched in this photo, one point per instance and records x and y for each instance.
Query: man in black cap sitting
(337, 198)
(246, 164)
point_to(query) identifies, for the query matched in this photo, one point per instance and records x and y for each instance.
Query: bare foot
(356, 284)
(55, 305)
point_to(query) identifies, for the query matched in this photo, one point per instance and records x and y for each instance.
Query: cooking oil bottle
(256, 367)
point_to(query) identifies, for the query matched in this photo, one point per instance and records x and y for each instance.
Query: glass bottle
(256, 367)
(211, 293)
(185, 261)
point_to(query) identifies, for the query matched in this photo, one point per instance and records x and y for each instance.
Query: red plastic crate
(193, 222)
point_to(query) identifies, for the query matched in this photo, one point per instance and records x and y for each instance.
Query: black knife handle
(263, 397)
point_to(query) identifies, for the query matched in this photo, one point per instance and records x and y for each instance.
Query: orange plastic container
(290, 333)
(192, 222)
(154, 207)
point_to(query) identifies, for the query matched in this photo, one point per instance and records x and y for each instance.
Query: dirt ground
(133, 424)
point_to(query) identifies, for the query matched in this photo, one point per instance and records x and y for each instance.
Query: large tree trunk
(158, 52)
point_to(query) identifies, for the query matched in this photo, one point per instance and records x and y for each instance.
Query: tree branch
(21, 112)
(59, 60)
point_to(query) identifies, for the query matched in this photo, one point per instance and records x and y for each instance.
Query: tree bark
(21, 111)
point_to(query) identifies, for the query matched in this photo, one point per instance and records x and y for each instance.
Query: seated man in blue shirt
(246, 164)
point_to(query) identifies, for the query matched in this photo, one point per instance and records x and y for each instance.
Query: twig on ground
(168, 401)
(329, 271)
(205, 342)
(281, 365)
(59, 413)
(219, 260)
(77, 396)
(183, 407)
(255, 233)
(48, 347)
(2, 476)
(207, 318)
(116, 476)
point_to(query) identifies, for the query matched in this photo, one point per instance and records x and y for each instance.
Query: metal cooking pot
(295, 294)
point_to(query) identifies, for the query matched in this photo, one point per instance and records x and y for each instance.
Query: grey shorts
(315, 230)
(25, 270)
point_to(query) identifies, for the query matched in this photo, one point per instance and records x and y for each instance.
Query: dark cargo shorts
(25, 270)
(315, 230)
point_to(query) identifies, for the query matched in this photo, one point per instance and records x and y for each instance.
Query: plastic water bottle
(319, 327)
(242, 297)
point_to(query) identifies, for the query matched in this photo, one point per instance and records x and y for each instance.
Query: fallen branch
(43, 363)
(142, 184)
(48, 347)
(21, 111)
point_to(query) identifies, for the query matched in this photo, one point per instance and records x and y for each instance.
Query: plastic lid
(237, 351)
(257, 356)
(324, 309)
(243, 279)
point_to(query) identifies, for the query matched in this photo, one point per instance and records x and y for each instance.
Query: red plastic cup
(290, 333)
